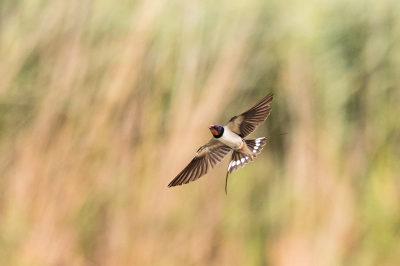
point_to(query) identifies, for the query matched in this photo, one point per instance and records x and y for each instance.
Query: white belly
(231, 139)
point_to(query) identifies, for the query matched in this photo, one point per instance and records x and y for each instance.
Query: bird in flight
(226, 139)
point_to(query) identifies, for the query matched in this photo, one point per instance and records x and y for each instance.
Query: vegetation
(103, 102)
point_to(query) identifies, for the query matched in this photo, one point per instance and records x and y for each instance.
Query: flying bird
(226, 139)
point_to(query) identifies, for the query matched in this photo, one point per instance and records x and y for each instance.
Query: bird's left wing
(206, 158)
(248, 121)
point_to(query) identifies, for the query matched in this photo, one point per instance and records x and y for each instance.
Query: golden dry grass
(102, 103)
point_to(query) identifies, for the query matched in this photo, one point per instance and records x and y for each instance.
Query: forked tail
(241, 158)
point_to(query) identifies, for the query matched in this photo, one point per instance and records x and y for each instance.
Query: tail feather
(240, 159)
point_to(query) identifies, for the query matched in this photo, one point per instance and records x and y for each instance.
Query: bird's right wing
(205, 159)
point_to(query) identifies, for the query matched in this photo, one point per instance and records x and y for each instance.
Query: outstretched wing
(248, 121)
(205, 159)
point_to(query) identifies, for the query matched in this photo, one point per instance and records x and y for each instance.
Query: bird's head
(216, 130)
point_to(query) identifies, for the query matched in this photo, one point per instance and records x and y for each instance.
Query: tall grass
(102, 103)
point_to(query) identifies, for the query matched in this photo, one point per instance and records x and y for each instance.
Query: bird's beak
(211, 126)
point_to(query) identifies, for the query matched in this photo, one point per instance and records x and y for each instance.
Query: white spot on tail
(242, 160)
(238, 162)
(254, 151)
(247, 158)
(256, 147)
(229, 167)
(257, 144)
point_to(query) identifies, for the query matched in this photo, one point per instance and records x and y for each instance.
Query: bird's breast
(231, 139)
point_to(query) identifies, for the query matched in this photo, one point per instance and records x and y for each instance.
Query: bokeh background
(103, 102)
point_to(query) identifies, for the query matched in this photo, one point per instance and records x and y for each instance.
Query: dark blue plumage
(217, 131)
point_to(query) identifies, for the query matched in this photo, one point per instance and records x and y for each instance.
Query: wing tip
(269, 97)
(175, 184)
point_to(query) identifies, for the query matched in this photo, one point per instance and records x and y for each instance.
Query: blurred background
(102, 104)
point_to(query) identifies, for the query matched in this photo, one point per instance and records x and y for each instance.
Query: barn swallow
(226, 139)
